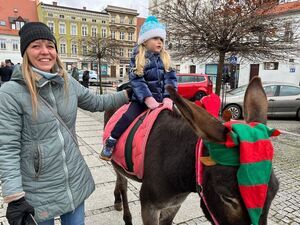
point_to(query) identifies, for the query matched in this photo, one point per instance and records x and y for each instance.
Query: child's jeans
(75, 217)
(127, 118)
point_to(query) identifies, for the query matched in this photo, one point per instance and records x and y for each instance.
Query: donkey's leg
(150, 214)
(167, 215)
(117, 193)
(121, 191)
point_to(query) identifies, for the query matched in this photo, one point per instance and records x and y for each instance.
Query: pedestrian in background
(75, 73)
(86, 78)
(6, 71)
(41, 168)
(150, 72)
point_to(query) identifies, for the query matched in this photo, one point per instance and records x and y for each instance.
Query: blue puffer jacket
(154, 81)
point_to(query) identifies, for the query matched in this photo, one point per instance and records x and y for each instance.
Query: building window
(130, 21)
(94, 21)
(84, 50)
(73, 18)
(2, 23)
(94, 31)
(2, 44)
(15, 45)
(61, 16)
(130, 35)
(103, 21)
(271, 65)
(113, 34)
(17, 25)
(104, 32)
(83, 19)
(129, 53)
(113, 19)
(121, 52)
(84, 30)
(122, 35)
(50, 14)
(51, 26)
(74, 49)
(288, 32)
(62, 28)
(73, 29)
(122, 19)
(62, 48)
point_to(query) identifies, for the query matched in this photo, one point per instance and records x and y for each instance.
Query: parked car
(283, 100)
(194, 86)
(92, 73)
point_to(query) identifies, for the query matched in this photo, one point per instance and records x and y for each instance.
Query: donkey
(169, 166)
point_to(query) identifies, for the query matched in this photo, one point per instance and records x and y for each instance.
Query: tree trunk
(220, 72)
(100, 77)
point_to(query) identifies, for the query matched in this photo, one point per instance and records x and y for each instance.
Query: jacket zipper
(63, 153)
(39, 166)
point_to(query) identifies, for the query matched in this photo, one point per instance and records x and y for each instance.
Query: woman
(41, 168)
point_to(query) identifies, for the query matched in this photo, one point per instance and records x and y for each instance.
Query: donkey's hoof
(118, 206)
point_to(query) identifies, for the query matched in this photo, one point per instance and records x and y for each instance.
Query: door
(254, 71)
(271, 91)
(286, 102)
(113, 71)
(192, 69)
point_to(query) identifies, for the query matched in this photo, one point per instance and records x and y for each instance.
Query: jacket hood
(17, 73)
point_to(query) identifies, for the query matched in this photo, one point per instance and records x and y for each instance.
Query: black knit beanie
(34, 31)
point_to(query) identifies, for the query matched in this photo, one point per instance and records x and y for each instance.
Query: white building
(269, 70)
(10, 48)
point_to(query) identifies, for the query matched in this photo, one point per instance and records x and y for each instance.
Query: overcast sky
(99, 5)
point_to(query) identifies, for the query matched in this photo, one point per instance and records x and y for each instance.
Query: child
(149, 74)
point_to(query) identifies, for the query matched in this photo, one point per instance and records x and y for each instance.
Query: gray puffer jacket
(39, 156)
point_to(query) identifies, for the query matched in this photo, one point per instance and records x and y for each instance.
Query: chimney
(54, 3)
(84, 8)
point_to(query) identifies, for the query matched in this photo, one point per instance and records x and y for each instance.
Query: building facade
(14, 14)
(70, 26)
(269, 70)
(123, 27)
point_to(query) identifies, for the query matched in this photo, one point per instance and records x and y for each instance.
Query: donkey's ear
(205, 125)
(255, 102)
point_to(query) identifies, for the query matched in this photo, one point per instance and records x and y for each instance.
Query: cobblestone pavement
(99, 207)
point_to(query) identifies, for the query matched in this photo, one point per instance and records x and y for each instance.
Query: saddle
(130, 149)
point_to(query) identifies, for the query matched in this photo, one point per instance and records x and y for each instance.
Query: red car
(194, 86)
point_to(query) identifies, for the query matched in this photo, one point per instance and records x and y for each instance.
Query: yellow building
(70, 26)
(123, 27)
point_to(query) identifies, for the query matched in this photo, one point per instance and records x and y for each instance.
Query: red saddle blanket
(137, 144)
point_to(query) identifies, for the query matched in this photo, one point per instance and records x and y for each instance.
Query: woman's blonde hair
(31, 77)
(140, 60)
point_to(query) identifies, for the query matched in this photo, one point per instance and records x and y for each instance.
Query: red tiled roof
(286, 7)
(16, 8)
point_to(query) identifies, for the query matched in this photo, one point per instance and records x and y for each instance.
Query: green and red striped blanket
(249, 147)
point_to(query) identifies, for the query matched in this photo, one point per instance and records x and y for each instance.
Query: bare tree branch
(102, 50)
(203, 30)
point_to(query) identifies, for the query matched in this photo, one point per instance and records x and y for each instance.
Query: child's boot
(108, 149)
